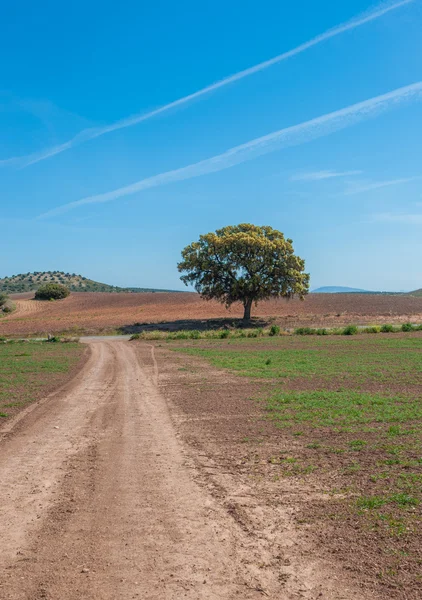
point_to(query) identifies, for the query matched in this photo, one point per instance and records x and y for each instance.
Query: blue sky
(100, 173)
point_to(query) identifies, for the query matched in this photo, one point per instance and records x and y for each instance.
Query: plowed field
(101, 312)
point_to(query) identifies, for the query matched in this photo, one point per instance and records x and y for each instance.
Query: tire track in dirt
(37, 443)
(25, 308)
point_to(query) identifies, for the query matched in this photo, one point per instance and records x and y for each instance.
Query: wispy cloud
(360, 189)
(321, 175)
(290, 136)
(406, 219)
(92, 133)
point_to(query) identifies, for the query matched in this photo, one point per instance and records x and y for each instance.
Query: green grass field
(356, 361)
(28, 370)
(352, 405)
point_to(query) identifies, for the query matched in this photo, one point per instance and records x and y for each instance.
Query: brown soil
(241, 458)
(99, 312)
(107, 494)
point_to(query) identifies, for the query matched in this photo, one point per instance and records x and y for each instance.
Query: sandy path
(98, 500)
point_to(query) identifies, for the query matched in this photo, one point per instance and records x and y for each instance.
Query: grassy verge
(273, 331)
(29, 370)
(352, 408)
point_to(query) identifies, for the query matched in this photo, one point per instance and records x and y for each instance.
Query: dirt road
(101, 500)
(97, 500)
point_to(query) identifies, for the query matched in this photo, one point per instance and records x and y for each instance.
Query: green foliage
(387, 328)
(371, 329)
(370, 502)
(305, 331)
(224, 333)
(52, 291)
(6, 305)
(273, 331)
(407, 327)
(350, 330)
(244, 263)
(403, 499)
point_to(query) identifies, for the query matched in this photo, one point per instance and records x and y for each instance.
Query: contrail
(380, 184)
(290, 136)
(321, 175)
(90, 134)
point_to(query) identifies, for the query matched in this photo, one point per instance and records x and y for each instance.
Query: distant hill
(336, 289)
(29, 282)
(415, 293)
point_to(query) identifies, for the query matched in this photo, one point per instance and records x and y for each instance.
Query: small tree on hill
(52, 291)
(244, 263)
(3, 299)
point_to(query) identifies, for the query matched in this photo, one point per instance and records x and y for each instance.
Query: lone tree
(244, 263)
(51, 291)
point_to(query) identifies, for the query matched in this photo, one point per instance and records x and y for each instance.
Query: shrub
(407, 327)
(195, 334)
(305, 331)
(224, 333)
(387, 328)
(322, 331)
(178, 335)
(350, 330)
(52, 291)
(371, 329)
(3, 299)
(274, 330)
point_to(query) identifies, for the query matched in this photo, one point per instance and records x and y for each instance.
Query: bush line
(55, 339)
(272, 331)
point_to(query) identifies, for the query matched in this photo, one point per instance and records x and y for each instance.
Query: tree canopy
(52, 291)
(244, 263)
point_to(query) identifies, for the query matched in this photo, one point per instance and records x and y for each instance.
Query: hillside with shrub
(28, 282)
(52, 291)
(6, 305)
(416, 293)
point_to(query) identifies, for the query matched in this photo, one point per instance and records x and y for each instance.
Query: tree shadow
(195, 325)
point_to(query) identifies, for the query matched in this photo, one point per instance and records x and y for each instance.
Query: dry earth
(110, 490)
(102, 312)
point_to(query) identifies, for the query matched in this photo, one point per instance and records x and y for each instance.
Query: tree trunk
(247, 306)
